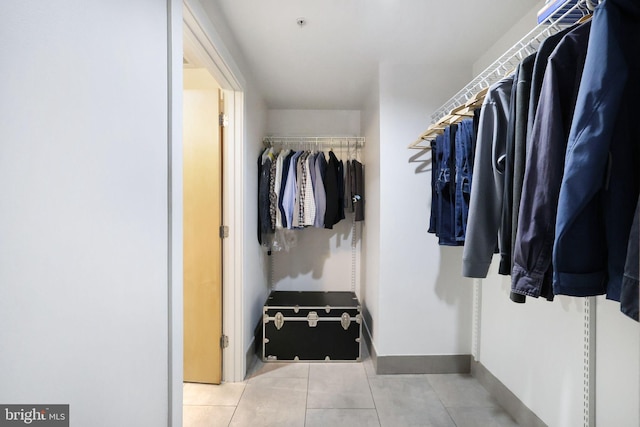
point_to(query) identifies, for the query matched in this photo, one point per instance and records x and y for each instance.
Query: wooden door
(202, 202)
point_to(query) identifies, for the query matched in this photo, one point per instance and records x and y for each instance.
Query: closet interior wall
(323, 259)
(417, 305)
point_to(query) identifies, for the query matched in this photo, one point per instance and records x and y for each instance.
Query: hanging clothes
(445, 187)
(332, 216)
(348, 193)
(629, 292)
(523, 96)
(309, 197)
(289, 196)
(452, 156)
(301, 187)
(507, 195)
(286, 163)
(273, 198)
(341, 215)
(556, 174)
(259, 197)
(485, 207)
(279, 187)
(264, 217)
(357, 189)
(599, 189)
(320, 193)
(532, 271)
(465, 139)
(539, 67)
(296, 187)
(435, 167)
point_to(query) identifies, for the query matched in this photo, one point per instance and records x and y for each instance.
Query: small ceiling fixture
(301, 22)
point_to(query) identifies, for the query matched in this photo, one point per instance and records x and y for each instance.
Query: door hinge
(223, 120)
(224, 231)
(224, 341)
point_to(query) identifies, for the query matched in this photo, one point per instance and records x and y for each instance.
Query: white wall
(535, 349)
(313, 122)
(322, 258)
(424, 304)
(520, 28)
(370, 266)
(617, 366)
(255, 269)
(83, 217)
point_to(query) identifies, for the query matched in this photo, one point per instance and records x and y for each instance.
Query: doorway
(199, 41)
(202, 221)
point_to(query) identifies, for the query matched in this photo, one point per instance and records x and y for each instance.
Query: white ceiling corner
(331, 61)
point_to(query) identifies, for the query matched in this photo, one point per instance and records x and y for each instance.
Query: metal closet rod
(315, 141)
(512, 57)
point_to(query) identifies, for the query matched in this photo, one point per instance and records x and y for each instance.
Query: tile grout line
(493, 405)
(446, 408)
(306, 400)
(238, 404)
(375, 406)
(449, 413)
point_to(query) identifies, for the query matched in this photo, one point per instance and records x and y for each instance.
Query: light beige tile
(342, 418)
(277, 402)
(369, 368)
(461, 390)
(207, 416)
(339, 386)
(279, 370)
(481, 417)
(367, 362)
(225, 394)
(408, 401)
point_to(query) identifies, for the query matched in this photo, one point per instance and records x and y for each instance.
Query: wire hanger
(587, 12)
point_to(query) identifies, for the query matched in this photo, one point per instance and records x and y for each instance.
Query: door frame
(200, 36)
(188, 21)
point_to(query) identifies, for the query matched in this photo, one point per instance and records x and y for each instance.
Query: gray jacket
(485, 206)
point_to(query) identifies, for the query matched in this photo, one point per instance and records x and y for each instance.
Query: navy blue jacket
(599, 188)
(532, 270)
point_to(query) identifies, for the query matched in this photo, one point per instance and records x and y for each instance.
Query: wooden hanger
(456, 115)
(462, 110)
(416, 145)
(587, 11)
(584, 18)
(478, 98)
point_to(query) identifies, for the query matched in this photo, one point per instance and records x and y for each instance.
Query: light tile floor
(341, 394)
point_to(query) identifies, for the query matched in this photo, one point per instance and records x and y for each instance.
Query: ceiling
(331, 61)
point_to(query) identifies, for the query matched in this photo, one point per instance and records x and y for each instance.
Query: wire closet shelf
(316, 142)
(567, 14)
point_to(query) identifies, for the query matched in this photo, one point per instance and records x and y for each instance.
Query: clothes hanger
(416, 144)
(478, 98)
(462, 110)
(529, 48)
(584, 18)
(587, 13)
(510, 69)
